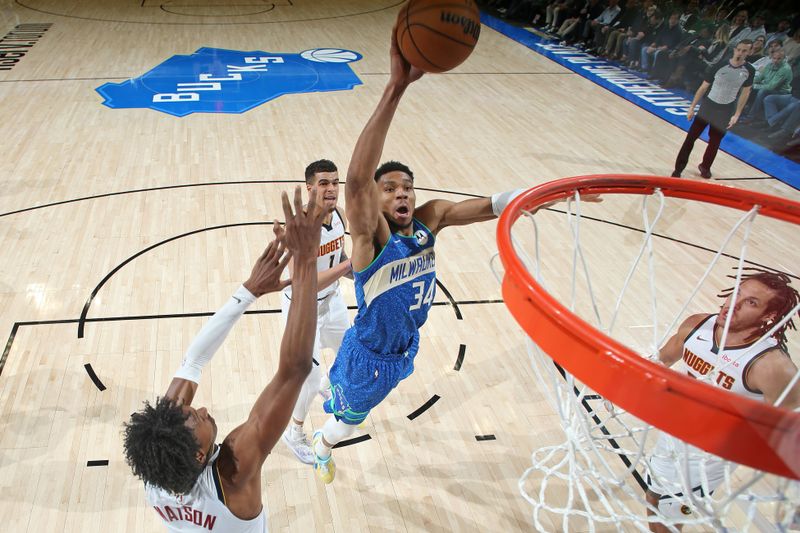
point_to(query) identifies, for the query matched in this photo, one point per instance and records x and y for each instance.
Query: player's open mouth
(402, 211)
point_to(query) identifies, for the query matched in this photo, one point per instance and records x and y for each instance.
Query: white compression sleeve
(501, 199)
(210, 337)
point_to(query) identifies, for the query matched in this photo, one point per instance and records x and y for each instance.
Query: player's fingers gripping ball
(438, 35)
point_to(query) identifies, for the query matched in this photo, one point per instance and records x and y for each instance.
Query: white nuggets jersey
(701, 355)
(331, 246)
(202, 509)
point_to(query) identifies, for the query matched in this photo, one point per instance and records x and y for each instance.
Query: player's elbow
(299, 367)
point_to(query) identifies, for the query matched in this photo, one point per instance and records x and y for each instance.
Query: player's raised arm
(248, 445)
(264, 278)
(363, 212)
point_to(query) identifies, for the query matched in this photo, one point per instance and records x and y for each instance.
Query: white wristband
(501, 199)
(213, 333)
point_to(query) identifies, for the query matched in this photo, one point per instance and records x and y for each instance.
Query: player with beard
(394, 264)
(750, 364)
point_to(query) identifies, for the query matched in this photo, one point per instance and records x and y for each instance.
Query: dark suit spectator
(668, 38)
(618, 31)
(678, 67)
(642, 36)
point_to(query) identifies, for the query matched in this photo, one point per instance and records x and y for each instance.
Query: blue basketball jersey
(395, 292)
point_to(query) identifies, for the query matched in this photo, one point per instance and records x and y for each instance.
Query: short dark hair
(323, 165)
(161, 449)
(745, 41)
(393, 166)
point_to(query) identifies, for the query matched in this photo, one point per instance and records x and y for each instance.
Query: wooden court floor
(161, 217)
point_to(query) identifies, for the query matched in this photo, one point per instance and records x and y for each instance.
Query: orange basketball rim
(733, 427)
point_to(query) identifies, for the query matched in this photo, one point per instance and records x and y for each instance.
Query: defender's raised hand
(303, 229)
(266, 274)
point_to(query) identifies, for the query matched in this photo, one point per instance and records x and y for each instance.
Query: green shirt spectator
(776, 77)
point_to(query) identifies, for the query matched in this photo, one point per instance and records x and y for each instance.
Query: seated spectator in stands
(757, 52)
(686, 59)
(767, 58)
(557, 12)
(781, 32)
(690, 20)
(792, 46)
(569, 31)
(775, 78)
(668, 38)
(596, 30)
(782, 112)
(634, 45)
(739, 28)
(757, 28)
(720, 47)
(619, 29)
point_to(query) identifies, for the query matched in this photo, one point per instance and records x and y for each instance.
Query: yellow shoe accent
(325, 468)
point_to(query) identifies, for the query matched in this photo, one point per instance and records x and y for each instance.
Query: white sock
(295, 429)
(333, 432)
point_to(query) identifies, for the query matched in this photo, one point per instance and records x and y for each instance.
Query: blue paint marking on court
(214, 80)
(667, 104)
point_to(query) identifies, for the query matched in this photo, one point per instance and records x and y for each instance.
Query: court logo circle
(330, 55)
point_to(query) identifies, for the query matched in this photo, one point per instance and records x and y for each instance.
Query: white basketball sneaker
(299, 445)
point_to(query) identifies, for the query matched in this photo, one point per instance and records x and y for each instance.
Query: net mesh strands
(598, 297)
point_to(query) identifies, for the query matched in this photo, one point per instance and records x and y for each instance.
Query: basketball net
(595, 477)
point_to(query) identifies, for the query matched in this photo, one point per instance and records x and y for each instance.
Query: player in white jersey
(749, 364)
(332, 263)
(193, 484)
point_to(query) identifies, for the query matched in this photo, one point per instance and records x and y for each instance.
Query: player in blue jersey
(394, 269)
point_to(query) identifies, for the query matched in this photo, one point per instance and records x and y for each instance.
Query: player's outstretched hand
(266, 274)
(402, 72)
(303, 228)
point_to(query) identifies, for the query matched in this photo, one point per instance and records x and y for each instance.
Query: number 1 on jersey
(418, 299)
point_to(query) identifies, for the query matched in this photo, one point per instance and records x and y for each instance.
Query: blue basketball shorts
(361, 379)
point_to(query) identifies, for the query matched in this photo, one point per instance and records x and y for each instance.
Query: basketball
(437, 36)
